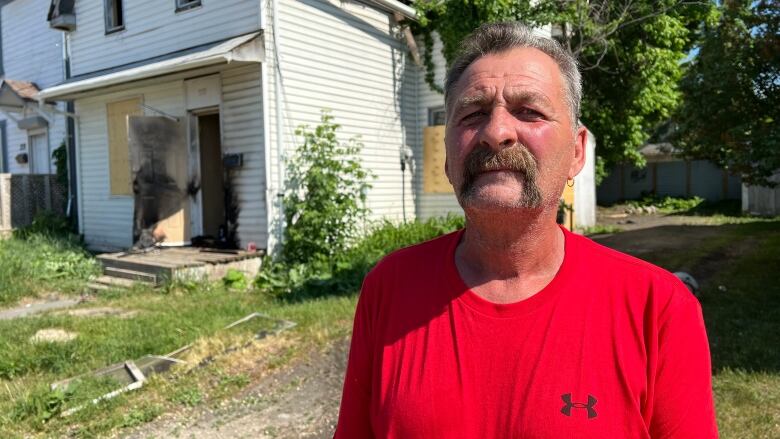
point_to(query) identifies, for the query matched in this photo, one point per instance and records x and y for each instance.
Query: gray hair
(500, 37)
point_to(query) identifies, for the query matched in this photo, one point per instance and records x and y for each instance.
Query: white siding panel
(242, 124)
(349, 58)
(153, 28)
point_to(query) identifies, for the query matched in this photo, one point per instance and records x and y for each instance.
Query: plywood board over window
(118, 151)
(434, 179)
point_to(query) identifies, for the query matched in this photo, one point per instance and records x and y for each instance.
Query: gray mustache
(515, 158)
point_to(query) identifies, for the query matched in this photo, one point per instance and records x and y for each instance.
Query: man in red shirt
(514, 327)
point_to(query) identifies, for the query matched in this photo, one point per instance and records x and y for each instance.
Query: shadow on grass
(736, 266)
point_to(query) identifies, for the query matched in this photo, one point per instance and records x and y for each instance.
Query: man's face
(510, 140)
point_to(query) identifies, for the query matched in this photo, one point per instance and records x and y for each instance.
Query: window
(437, 116)
(118, 149)
(115, 16)
(183, 5)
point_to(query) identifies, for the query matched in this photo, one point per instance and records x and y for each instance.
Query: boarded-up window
(118, 151)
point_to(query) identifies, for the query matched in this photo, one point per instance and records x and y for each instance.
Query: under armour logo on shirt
(566, 410)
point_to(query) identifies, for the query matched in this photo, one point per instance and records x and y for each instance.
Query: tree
(731, 110)
(629, 52)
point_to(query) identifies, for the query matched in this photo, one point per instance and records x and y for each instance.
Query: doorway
(212, 176)
(40, 158)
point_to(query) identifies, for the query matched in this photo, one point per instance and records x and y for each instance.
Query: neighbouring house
(666, 174)
(185, 110)
(30, 59)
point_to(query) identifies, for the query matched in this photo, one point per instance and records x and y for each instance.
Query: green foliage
(600, 229)
(61, 162)
(326, 190)
(344, 273)
(731, 113)
(42, 258)
(45, 223)
(629, 53)
(667, 204)
(235, 279)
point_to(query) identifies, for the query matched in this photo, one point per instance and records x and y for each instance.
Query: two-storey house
(185, 108)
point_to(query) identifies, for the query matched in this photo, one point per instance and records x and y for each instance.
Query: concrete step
(95, 287)
(114, 282)
(133, 275)
(159, 272)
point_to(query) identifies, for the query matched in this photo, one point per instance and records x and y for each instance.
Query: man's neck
(508, 258)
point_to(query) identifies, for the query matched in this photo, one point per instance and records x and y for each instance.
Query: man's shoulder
(637, 276)
(425, 256)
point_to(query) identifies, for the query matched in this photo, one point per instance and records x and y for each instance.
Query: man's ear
(580, 143)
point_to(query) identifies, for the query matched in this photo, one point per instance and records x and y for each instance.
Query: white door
(39, 149)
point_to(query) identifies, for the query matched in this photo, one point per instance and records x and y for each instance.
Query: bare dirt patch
(300, 401)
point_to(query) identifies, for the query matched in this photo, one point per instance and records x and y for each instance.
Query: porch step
(103, 283)
(132, 275)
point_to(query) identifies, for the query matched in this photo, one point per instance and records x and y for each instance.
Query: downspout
(279, 113)
(270, 195)
(73, 188)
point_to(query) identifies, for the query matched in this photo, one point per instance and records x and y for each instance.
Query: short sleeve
(354, 415)
(683, 403)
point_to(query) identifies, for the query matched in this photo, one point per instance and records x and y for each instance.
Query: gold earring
(570, 180)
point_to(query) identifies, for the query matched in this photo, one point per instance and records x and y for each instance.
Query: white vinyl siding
(349, 58)
(154, 28)
(242, 132)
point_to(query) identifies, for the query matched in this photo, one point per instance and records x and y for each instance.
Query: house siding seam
(349, 58)
(154, 28)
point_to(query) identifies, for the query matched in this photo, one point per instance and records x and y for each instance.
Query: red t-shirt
(613, 347)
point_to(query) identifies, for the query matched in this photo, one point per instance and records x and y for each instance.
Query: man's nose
(499, 132)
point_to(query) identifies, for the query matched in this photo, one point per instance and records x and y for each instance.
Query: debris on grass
(132, 374)
(102, 311)
(53, 335)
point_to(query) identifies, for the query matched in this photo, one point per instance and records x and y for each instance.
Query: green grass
(164, 322)
(40, 263)
(600, 229)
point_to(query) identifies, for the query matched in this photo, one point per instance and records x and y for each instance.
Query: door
(39, 150)
(158, 157)
(212, 176)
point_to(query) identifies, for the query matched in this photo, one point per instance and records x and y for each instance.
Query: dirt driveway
(302, 400)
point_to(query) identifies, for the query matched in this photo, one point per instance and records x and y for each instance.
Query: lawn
(735, 260)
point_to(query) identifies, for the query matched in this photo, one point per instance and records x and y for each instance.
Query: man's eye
(475, 115)
(528, 113)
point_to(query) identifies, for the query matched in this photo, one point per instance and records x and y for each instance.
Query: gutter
(396, 6)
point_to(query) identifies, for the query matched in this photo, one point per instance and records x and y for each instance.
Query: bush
(343, 273)
(325, 199)
(667, 204)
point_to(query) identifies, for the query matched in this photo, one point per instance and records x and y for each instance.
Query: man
(515, 327)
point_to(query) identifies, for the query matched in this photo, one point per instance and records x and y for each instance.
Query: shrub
(325, 198)
(344, 273)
